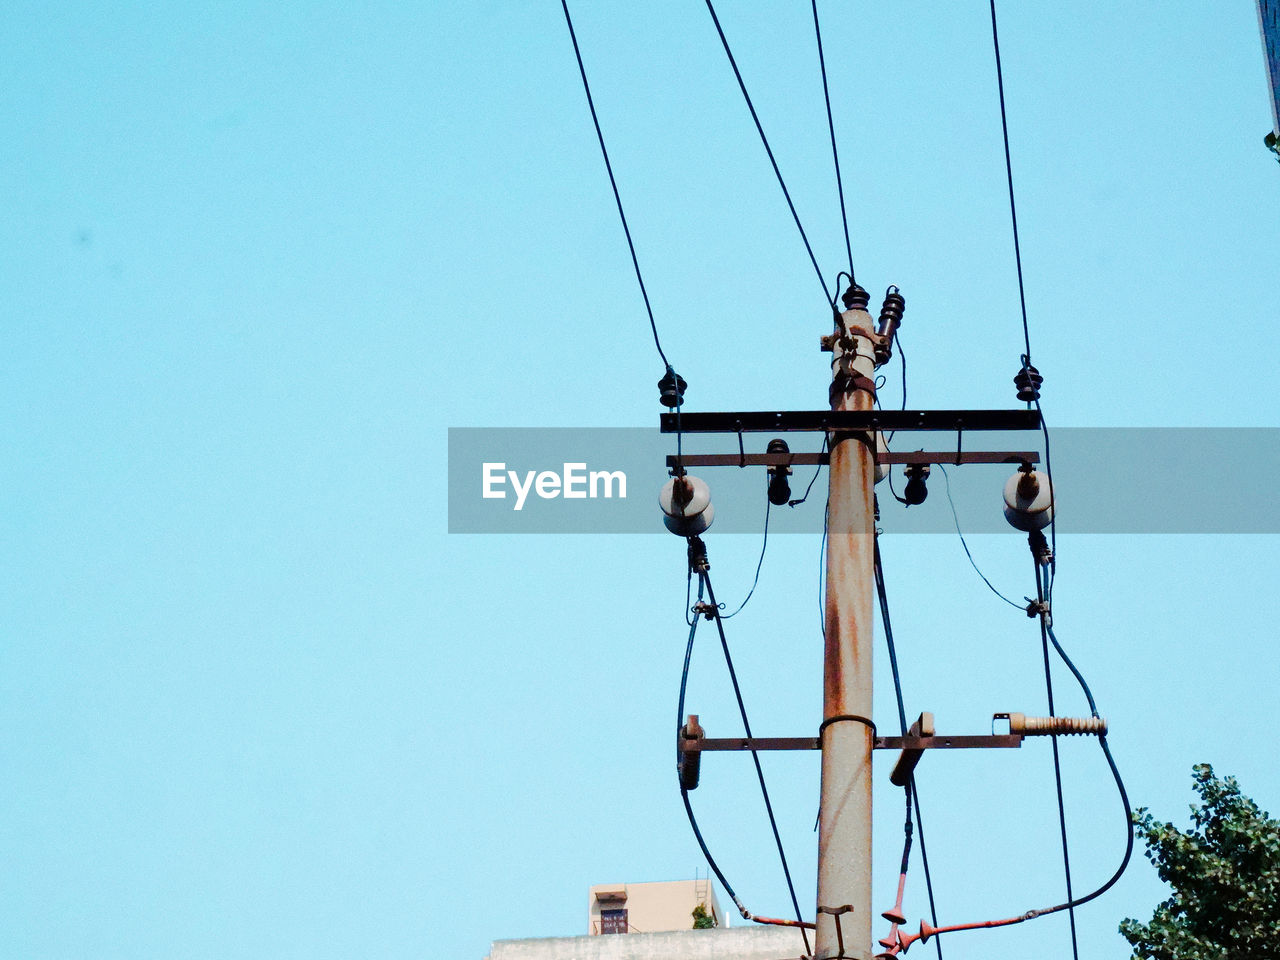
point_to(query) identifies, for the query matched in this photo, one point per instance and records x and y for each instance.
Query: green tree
(701, 919)
(1225, 875)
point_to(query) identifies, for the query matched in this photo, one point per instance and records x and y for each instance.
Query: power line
(956, 518)
(1022, 292)
(911, 792)
(635, 262)
(755, 756)
(816, 471)
(831, 127)
(769, 150)
(764, 545)
(684, 793)
(1072, 902)
(1008, 166)
(1057, 771)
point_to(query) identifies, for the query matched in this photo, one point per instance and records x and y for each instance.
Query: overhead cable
(635, 262)
(755, 756)
(831, 127)
(769, 150)
(912, 795)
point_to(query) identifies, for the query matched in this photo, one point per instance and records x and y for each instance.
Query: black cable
(964, 544)
(1053, 518)
(1071, 904)
(831, 127)
(924, 862)
(1088, 694)
(1022, 294)
(888, 635)
(822, 571)
(755, 756)
(911, 792)
(1008, 166)
(1057, 773)
(769, 150)
(816, 471)
(582, 70)
(684, 794)
(688, 580)
(764, 545)
(1106, 750)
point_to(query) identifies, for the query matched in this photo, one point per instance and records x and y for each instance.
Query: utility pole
(856, 458)
(847, 736)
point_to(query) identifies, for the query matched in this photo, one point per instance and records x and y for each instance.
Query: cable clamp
(698, 555)
(1039, 608)
(705, 609)
(846, 716)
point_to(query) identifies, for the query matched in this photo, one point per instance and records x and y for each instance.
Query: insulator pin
(686, 503)
(1028, 381)
(779, 486)
(855, 298)
(671, 389)
(1028, 500)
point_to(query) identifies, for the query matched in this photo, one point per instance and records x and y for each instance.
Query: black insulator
(672, 388)
(1028, 383)
(689, 763)
(916, 490)
(855, 298)
(891, 311)
(779, 487)
(698, 554)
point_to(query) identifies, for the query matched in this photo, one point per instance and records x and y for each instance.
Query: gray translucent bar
(1112, 480)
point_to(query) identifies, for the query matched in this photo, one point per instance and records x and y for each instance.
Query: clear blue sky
(256, 259)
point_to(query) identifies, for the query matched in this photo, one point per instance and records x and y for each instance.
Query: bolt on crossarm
(847, 736)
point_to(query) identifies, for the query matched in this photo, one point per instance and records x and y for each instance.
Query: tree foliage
(702, 920)
(1225, 875)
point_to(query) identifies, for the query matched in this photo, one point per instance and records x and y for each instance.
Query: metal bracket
(820, 421)
(886, 457)
(917, 743)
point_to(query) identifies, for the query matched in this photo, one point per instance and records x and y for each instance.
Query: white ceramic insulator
(882, 469)
(1025, 512)
(1061, 726)
(687, 519)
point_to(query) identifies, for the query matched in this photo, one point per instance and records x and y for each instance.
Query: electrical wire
(764, 545)
(684, 794)
(955, 517)
(816, 471)
(1008, 166)
(635, 262)
(911, 792)
(831, 127)
(755, 756)
(1022, 292)
(822, 573)
(1071, 904)
(1053, 518)
(769, 150)
(1057, 770)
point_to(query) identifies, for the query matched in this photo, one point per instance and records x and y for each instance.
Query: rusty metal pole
(844, 838)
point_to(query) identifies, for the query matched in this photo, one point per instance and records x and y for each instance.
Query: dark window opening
(613, 921)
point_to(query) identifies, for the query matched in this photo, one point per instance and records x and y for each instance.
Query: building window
(613, 921)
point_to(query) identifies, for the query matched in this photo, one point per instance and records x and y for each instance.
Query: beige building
(651, 907)
(658, 918)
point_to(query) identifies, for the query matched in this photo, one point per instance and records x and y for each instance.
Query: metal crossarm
(771, 421)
